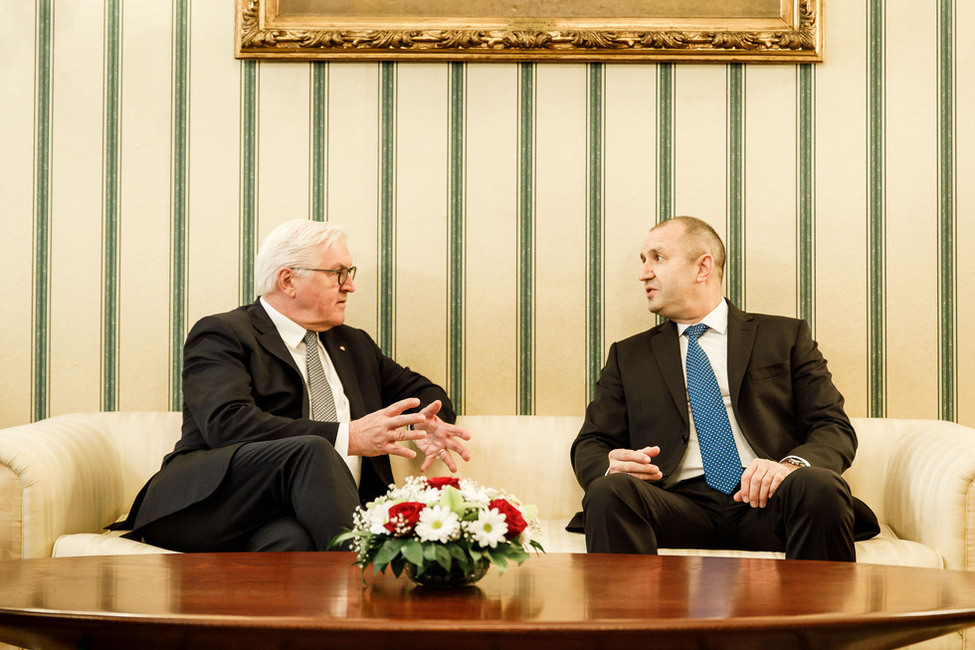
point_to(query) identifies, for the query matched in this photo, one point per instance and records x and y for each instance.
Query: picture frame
(531, 30)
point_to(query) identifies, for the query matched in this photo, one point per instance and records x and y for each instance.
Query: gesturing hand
(440, 437)
(377, 433)
(637, 462)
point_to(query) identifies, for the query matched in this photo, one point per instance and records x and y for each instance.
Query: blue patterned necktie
(722, 466)
(322, 402)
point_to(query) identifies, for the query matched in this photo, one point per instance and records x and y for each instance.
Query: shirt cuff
(342, 440)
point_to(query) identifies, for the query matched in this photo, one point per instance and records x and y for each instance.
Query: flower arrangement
(442, 530)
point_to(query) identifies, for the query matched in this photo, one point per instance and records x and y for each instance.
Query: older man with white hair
(289, 415)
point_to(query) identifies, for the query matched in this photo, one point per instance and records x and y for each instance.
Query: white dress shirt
(293, 336)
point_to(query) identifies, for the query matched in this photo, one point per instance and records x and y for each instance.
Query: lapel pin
(342, 348)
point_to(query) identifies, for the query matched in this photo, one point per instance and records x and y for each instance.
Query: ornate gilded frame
(745, 30)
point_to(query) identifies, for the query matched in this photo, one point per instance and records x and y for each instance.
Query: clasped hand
(379, 432)
(759, 481)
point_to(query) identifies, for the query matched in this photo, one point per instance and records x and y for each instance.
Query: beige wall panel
(284, 136)
(491, 255)
(16, 213)
(76, 209)
(700, 143)
(965, 214)
(560, 240)
(353, 178)
(912, 212)
(841, 204)
(630, 194)
(213, 222)
(421, 219)
(770, 189)
(144, 208)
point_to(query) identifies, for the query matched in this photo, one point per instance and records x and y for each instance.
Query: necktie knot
(311, 338)
(694, 332)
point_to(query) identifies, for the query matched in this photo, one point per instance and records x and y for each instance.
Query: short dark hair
(704, 238)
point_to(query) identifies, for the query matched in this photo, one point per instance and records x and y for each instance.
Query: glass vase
(436, 577)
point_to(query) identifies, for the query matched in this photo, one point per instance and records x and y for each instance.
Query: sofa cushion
(109, 543)
(885, 548)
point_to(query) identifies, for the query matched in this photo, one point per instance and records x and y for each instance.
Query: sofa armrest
(929, 494)
(57, 476)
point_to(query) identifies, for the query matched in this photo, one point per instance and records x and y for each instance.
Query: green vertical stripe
(876, 211)
(665, 141)
(110, 204)
(249, 72)
(41, 310)
(806, 172)
(594, 229)
(947, 283)
(319, 141)
(456, 236)
(526, 238)
(180, 194)
(387, 205)
(735, 209)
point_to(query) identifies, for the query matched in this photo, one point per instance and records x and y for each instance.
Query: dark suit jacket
(782, 395)
(240, 384)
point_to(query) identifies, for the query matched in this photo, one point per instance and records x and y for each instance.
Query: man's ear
(284, 281)
(705, 267)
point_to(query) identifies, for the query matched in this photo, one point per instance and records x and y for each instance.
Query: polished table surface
(557, 600)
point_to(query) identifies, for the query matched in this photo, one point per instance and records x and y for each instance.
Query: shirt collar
(291, 332)
(717, 320)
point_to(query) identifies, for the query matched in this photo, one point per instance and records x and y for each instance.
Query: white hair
(298, 242)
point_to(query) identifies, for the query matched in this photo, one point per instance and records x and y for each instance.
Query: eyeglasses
(343, 274)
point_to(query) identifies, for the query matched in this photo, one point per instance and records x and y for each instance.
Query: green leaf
(387, 552)
(397, 566)
(443, 557)
(413, 551)
(498, 557)
(451, 498)
(460, 556)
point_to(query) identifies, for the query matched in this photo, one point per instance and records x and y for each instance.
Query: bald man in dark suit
(651, 477)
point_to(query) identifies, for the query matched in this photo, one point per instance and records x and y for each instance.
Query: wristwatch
(795, 461)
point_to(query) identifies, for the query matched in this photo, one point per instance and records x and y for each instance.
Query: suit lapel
(741, 341)
(268, 337)
(338, 352)
(666, 352)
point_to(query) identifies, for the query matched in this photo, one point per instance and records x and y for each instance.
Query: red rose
(440, 482)
(403, 518)
(512, 517)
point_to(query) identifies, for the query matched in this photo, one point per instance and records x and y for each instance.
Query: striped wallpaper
(494, 210)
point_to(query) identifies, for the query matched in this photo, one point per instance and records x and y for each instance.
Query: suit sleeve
(606, 426)
(829, 438)
(220, 397)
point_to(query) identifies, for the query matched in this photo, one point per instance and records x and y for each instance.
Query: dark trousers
(810, 517)
(294, 494)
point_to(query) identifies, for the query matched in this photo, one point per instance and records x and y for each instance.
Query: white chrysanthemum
(489, 529)
(376, 517)
(437, 524)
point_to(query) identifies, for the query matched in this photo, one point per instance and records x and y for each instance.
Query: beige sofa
(63, 479)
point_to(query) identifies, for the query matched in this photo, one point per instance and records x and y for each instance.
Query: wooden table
(553, 601)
